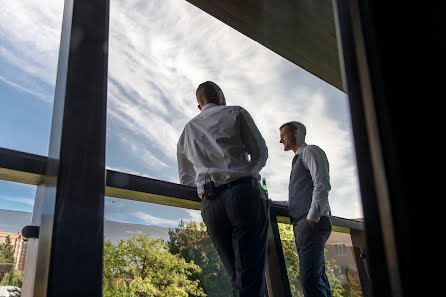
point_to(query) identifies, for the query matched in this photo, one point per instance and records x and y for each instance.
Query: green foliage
(192, 243)
(353, 287)
(142, 266)
(341, 284)
(336, 278)
(117, 289)
(7, 251)
(291, 259)
(13, 278)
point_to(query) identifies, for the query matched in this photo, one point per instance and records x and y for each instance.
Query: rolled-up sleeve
(253, 140)
(316, 162)
(186, 170)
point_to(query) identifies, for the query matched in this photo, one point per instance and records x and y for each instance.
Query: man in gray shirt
(308, 206)
(221, 152)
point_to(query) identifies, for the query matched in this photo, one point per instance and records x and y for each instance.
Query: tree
(13, 278)
(353, 286)
(291, 259)
(192, 243)
(342, 285)
(7, 251)
(142, 266)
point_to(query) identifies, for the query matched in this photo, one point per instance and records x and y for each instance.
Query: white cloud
(194, 215)
(29, 34)
(159, 51)
(152, 220)
(23, 200)
(44, 97)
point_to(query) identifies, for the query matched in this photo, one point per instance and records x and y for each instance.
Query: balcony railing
(28, 168)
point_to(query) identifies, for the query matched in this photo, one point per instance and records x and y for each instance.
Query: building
(339, 247)
(387, 55)
(19, 248)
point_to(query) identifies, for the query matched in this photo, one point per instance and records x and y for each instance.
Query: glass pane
(16, 204)
(29, 48)
(340, 264)
(161, 50)
(154, 250)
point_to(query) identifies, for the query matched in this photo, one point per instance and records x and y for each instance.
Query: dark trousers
(237, 221)
(310, 245)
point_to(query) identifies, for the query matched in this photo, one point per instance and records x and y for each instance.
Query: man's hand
(311, 224)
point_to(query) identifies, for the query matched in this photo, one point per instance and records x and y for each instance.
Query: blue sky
(159, 51)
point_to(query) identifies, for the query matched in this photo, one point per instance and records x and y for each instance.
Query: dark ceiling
(301, 31)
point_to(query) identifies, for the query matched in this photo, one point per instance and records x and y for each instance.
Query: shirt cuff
(314, 215)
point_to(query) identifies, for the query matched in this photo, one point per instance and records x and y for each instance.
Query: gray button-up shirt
(308, 192)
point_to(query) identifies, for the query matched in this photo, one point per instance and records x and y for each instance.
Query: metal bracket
(30, 232)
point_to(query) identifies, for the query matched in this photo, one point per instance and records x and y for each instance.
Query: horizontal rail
(29, 169)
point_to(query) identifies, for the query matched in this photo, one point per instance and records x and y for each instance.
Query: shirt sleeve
(186, 170)
(316, 162)
(253, 141)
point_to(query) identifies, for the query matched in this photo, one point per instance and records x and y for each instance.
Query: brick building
(19, 248)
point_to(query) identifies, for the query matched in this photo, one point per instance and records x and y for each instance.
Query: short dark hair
(293, 126)
(208, 92)
(290, 127)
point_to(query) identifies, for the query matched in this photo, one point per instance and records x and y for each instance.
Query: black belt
(235, 182)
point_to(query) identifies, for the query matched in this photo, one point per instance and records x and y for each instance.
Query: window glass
(340, 265)
(29, 48)
(161, 50)
(154, 250)
(16, 205)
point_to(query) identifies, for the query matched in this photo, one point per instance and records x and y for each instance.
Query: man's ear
(296, 136)
(221, 98)
(299, 138)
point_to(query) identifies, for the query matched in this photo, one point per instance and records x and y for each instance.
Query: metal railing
(26, 168)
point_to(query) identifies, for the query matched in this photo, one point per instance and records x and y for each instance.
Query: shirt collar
(209, 105)
(301, 148)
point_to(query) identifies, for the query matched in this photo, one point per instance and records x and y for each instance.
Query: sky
(159, 52)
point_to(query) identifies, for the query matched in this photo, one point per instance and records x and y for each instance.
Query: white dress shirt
(221, 144)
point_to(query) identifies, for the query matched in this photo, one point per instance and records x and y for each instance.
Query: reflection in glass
(29, 49)
(339, 264)
(177, 259)
(161, 50)
(16, 202)
(12, 263)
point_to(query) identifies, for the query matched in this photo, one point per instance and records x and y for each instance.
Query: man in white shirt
(308, 206)
(221, 152)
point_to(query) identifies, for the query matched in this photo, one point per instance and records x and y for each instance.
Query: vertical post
(276, 274)
(32, 256)
(70, 244)
(360, 253)
(373, 141)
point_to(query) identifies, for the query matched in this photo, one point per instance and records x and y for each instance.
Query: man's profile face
(287, 138)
